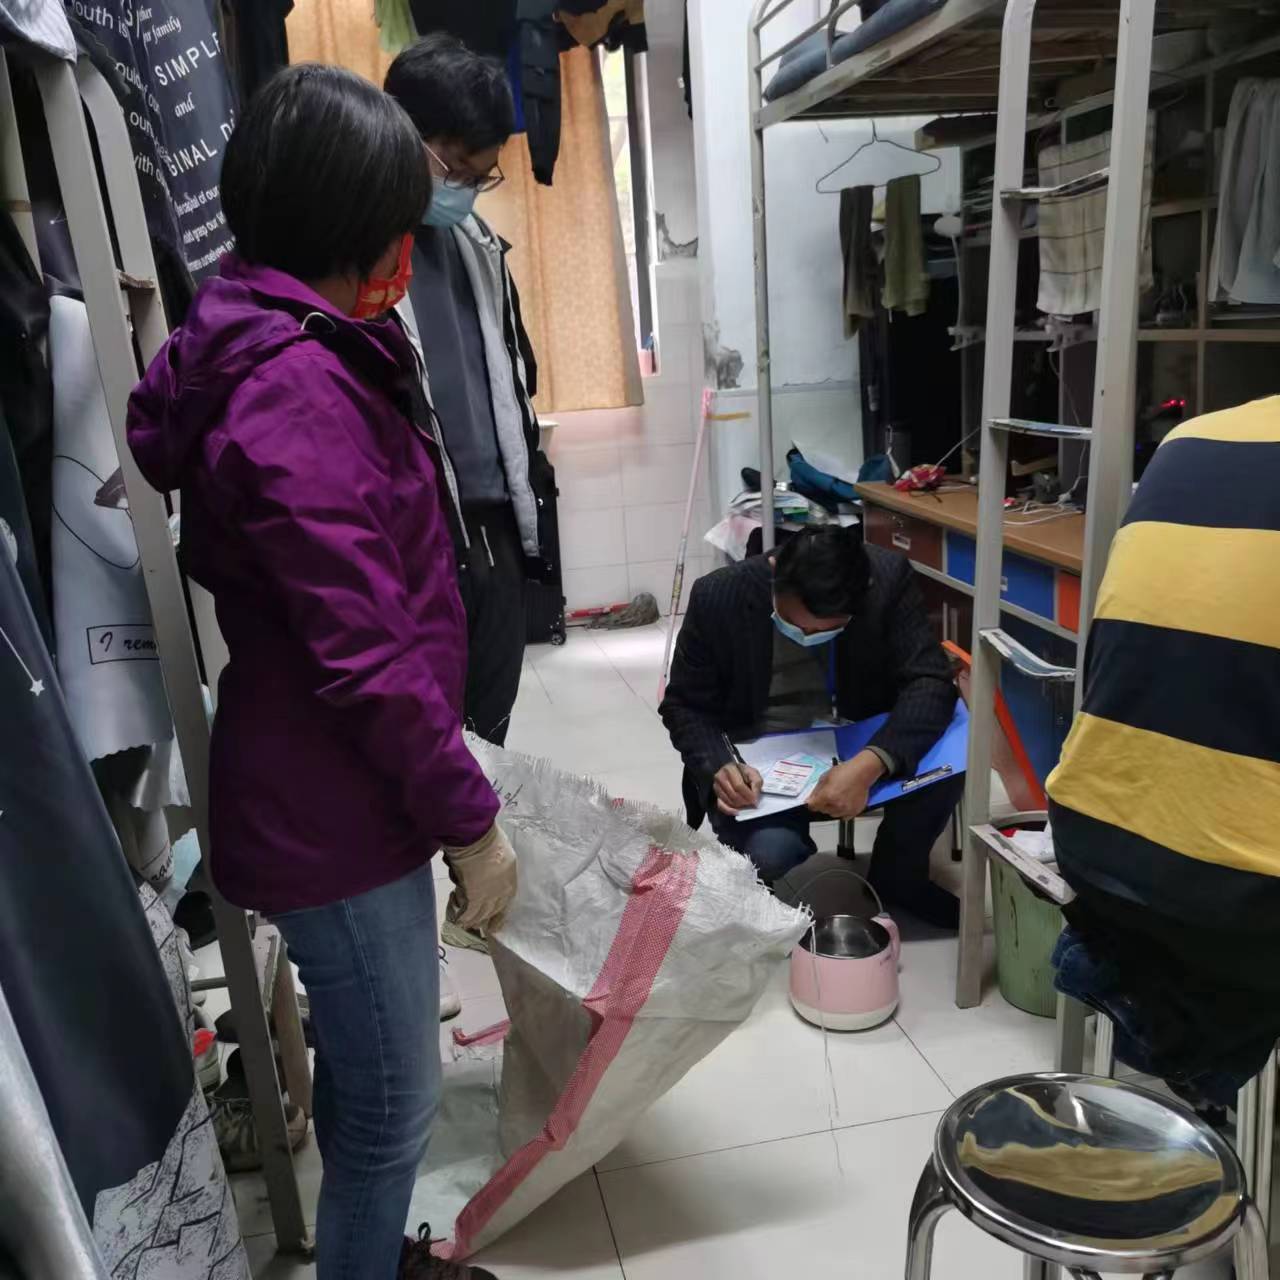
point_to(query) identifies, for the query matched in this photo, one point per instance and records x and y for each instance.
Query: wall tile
(655, 576)
(655, 473)
(670, 412)
(589, 479)
(589, 539)
(590, 588)
(596, 429)
(653, 530)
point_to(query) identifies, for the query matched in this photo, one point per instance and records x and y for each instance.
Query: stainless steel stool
(1088, 1174)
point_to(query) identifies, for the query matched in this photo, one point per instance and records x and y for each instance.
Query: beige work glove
(484, 878)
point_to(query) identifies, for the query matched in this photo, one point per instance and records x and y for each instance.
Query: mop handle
(677, 582)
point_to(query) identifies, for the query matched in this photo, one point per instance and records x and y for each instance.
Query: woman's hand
(485, 880)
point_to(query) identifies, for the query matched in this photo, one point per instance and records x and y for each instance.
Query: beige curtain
(341, 32)
(567, 255)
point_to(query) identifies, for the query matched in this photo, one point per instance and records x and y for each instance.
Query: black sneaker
(417, 1262)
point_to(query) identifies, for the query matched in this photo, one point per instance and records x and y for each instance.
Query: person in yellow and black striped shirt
(1166, 803)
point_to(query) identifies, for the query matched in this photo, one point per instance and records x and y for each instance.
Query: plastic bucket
(1027, 927)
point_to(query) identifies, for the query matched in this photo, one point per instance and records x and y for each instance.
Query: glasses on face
(463, 181)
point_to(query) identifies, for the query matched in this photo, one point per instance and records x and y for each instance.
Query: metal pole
(1104, 1047)
(759, 227)
(117, 368)
(1111, 459)
(1006, 222)
(1265, 1142)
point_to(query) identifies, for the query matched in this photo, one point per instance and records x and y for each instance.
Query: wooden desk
(1041, 580)
(1057, 542)
(1040, 587)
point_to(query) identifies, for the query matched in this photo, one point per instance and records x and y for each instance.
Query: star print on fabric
(37, 686)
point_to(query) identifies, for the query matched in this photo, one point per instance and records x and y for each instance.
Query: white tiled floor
(776, 1154)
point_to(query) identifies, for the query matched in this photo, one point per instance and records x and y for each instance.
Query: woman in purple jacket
(283, 410)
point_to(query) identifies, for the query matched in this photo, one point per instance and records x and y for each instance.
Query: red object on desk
(922, 479)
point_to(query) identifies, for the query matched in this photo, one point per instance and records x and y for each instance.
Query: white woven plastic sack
(634, 947)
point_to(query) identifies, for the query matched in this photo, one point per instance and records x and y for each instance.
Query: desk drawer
(1024, 582)
(916, 539)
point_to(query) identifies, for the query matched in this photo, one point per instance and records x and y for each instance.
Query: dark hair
(826, 568)
(450, 92)
(322, 174)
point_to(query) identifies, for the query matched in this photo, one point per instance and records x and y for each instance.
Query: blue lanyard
(831, 682)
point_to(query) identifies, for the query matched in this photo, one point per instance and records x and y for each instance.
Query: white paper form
(764, 753)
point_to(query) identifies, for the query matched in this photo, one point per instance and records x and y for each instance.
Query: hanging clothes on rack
(1072, 228)
(256, 40)
(488, 28)
(107, 658)
(26, 393)
(540, 38)
(15, 531)
(859, 257)
(906, 279)
(395, 24)
(93, 1005)
(1245, 265)
(43, 25)
(618, 24)
(180, 109)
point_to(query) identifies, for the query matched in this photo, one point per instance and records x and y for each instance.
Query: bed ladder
(124, 309)
(1112, 433)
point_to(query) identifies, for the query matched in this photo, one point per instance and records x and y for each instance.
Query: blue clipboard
(945, 759)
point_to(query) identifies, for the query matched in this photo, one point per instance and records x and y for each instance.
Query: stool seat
(1090, 1172)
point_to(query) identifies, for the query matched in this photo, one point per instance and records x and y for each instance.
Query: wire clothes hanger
(877, 140)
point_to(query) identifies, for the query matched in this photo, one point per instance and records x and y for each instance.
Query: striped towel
(1072, 229)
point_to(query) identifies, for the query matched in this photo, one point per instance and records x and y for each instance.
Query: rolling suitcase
(544, 592)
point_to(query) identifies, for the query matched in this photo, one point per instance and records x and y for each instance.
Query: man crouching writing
(826, 629)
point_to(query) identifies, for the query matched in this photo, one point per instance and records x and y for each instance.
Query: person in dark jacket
(463, 312)
(282, 409)
(828, 628)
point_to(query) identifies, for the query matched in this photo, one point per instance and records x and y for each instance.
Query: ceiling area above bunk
(948, 60)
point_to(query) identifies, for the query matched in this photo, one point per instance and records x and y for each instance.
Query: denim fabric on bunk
(809, 59)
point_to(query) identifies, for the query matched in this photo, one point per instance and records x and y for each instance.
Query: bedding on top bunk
(809, 58)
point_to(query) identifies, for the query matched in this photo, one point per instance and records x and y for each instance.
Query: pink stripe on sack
(490, 1035)
(660, 892)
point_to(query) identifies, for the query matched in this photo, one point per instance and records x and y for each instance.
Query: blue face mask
(796, 636)
(449, 205)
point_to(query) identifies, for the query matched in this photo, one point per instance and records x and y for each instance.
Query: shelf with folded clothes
(978, 235)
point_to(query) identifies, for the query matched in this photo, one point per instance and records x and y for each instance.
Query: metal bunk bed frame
(1025, 59)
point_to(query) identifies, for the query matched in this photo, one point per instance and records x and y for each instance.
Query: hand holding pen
(737, 785)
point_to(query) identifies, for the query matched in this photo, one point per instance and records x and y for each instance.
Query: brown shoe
(417, 1262)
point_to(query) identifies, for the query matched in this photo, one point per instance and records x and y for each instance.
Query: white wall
(624, 473)
(675, 201)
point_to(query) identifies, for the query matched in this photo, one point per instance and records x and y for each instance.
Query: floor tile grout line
(608, 1219)
(768, 1142)
(925, 1057)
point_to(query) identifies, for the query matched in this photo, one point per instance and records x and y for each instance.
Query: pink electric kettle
(844, 973)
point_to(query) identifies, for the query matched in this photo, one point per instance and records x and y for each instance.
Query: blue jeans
(371, 969)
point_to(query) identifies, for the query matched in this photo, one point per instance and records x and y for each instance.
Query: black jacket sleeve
(926, 690)
(695, 692)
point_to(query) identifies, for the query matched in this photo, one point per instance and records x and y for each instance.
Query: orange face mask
(380, 293)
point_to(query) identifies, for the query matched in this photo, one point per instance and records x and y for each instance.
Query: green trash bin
(1027, 927)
